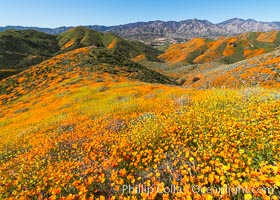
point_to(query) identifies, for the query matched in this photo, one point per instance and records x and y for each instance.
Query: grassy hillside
(131, 49)
(224, 49)
(261, 70)
(86, 63)
(80, 139)
(90, 122)
(79, 37)
(20, 49)
(82, 37)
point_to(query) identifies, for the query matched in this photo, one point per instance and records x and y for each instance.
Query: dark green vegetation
(87, 64)
(131, 48)
(22, 49)
(115, 63)
(82, 37)
(251, 43)
(79, 37)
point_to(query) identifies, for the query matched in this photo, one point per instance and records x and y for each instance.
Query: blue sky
(54, 13)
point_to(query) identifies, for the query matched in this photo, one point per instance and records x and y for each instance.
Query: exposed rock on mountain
(173, 30)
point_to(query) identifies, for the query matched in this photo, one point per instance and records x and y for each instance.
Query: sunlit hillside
(20, 50)
(82, 139)
(224, 49)
(101, 117)
(82, 37)
(263, 70)
(83, 64)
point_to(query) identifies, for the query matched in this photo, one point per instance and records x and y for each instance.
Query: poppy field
(135, 140)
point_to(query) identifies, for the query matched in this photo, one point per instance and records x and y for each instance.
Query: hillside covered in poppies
(88, 115)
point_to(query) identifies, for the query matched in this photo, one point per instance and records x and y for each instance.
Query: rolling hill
(79, 37)
(90, 119)
(224, 49)
(82, 64)
(22, 49)
(198, 53)
(82, 37)
(83, 124)
(262, 70)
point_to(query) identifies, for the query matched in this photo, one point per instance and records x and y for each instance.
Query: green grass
(22, 49)
(81, 37)
(237, 56)
(131, 48)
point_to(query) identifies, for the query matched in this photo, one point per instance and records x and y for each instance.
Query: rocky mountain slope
(176, 30)
(190, 28)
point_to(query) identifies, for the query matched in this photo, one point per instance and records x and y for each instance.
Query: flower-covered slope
(224, 49)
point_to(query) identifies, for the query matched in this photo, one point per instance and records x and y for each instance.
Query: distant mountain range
(175, 31)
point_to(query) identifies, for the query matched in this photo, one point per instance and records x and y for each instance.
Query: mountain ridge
(178, 30)
(224, 49)
(82, 64)
(24, 48)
